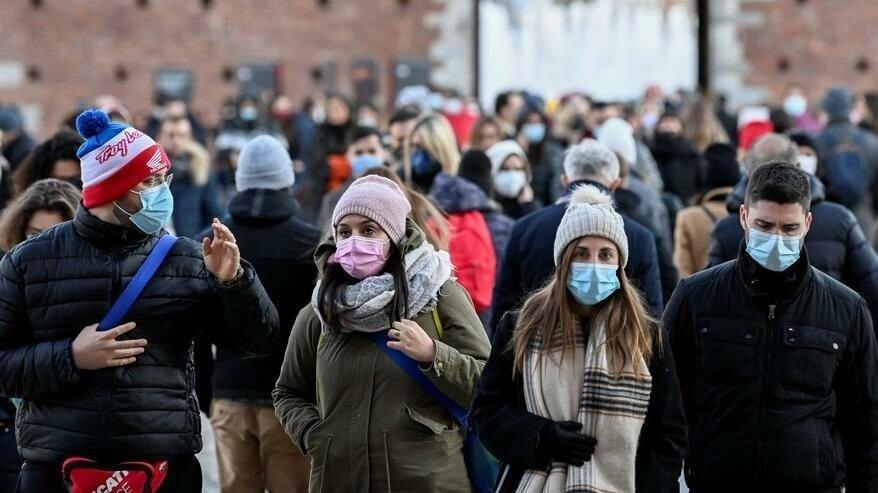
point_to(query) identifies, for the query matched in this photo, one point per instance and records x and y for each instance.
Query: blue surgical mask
(365, 161)
(592, 283)
(158, 206)
(424, 164)
(249, 114)
(774, 252)
(795, 105)
(534, 132)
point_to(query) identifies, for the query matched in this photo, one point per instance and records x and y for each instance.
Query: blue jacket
(836, 244)
(529, 259)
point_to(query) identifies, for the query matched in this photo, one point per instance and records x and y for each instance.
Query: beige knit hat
(379, 199)
(591, 213)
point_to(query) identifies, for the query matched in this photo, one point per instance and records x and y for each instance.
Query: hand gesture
(221, 255)
(409, 338)
(93, 350)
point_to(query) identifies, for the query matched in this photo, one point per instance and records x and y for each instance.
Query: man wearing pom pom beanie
(126, 393)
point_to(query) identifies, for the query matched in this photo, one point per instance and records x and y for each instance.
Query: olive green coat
(367, 426)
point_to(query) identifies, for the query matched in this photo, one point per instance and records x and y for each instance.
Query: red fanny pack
(83, 475)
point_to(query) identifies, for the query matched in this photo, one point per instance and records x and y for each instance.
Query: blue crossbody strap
(135, 287)
(410, 366)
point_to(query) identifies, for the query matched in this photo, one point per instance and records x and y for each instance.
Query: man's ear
(808, 220)
(565, 182)
(742, 216)
(615, 184)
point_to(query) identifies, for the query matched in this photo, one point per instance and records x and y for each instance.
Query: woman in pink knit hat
(386, 311)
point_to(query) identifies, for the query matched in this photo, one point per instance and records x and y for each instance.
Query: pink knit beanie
(380, 200)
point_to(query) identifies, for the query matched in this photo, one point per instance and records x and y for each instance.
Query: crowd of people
(606, 294)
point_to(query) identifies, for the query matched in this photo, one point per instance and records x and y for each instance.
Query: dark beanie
(837, 103)
(722, 169)
(804, 139)
(475, 166)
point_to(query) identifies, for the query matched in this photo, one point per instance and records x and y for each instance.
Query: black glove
(563, 443)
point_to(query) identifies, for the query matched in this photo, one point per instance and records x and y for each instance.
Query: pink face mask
(360, 257)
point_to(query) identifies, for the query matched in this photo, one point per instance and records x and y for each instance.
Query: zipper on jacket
(324, 465)
(769, 334)
(387, 462)
(108, 378)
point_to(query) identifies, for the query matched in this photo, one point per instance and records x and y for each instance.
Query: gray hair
(591, 160)
(771, 147)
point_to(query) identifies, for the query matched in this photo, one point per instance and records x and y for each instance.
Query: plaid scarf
(611, 408)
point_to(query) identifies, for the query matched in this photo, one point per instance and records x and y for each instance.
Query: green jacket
(370, 427)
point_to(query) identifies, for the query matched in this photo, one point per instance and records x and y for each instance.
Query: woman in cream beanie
(580, 390)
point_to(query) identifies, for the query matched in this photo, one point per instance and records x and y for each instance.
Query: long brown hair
(424, 213)
(45, 195)
(631, 331)
(701, 126)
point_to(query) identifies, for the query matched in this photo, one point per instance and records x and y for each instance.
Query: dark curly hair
(40, 162)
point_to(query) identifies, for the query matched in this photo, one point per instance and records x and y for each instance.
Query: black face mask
(578, 123)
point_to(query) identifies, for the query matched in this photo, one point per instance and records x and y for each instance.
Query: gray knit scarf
(365, 305)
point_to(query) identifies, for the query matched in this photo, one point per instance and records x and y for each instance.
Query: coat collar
(263, 206)
(112, 237)
(761, 282)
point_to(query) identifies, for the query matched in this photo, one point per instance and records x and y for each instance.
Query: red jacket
(472, 253)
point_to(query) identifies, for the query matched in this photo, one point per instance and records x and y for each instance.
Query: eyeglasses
(157, 180)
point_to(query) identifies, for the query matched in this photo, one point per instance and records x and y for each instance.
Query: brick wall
(77, 46)
(818, 43)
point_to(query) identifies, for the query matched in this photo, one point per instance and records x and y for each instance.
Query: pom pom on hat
(92, 122)
(591, 195)
(591, 213)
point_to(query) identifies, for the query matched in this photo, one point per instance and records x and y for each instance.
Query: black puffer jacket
(281, 248)
(66, 278)
(836, 243)
(780, 389)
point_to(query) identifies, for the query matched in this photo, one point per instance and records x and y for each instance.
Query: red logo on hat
(121, 147)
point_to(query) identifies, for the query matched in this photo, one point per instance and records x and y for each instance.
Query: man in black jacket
(776, 360)
(126, 393)
(254, 451)
(836, 243)
(528, 261)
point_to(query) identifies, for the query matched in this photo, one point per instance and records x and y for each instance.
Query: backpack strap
(410, 367)
(146, 272)
(709, 214)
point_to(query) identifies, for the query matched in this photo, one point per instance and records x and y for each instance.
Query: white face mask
(808, 164)
(508, 183)
(795, 105)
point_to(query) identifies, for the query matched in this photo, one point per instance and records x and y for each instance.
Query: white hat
(618, 135)
(499, 152)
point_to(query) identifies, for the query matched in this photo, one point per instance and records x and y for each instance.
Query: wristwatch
(238, 276)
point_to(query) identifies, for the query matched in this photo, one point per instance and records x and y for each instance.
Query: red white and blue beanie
(114, 158)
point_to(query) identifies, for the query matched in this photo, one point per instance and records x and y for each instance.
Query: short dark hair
(361, 132)
(501, 101)
(404, 114)
(780, 182)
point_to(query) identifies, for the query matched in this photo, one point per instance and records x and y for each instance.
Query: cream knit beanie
(591, 213)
